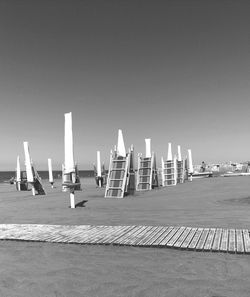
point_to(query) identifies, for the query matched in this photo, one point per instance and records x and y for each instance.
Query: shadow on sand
(243, 200)
(81, 204)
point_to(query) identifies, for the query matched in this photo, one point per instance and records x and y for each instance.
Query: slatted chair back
(117, 176)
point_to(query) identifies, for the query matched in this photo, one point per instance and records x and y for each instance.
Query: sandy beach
(43, 269)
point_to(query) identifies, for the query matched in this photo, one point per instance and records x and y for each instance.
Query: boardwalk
(178, 237)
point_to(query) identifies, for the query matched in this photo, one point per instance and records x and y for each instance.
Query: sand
(43, 269)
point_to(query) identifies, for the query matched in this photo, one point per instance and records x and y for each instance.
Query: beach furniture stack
(100, 172)
(120, 180)
(147, 177)
(33, 177)
(169, 169)
(71, 180)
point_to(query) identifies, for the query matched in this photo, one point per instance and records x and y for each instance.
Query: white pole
(18, 174)
(50, 172)
(162, 172)
(170, 156)
(121, 151)
(179, 153)
(72, 200)
(28, 165)
(33, 190)
(148, 147)
(99, 169)
(175, 169)
(69, 164)
(30, 177)
(190, 164)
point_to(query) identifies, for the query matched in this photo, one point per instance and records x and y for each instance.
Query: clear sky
(174, 71)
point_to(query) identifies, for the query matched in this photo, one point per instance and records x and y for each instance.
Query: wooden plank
(239, 242)
(62, 234)
(179, 237)
(97, 235)
(183, 236)
(134, 241)
(133, 237)
(125, 236)
(116, 235)
(194, 241)
(224, 241)
(169, 236)
(232, 241)
(150, 233)
(101, 235)
(155, 236)
(172, 241)
(162, 235)
(59, 235)
(202, 240)
(210, 238)
(246, 239)
(93, 235)
(52, 234)
(84, 239)
(217, 239)
(188, 239)
(106, 234)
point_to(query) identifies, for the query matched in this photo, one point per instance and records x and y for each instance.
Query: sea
(5, 176)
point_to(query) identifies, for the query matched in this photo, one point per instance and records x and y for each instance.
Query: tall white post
(148, 147)
(175, 169)
(121, 151)
(69, 164)
(99, 169)
(28, 165)
(190, 164)
(162, 172)
(179, 153)
(18, 174)
(170, 156)
(50, 172)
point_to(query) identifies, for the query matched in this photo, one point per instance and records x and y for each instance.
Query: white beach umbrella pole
(190, 165)
(29, 172)
(148, 147)
(99, 170)
(50, 173)
(18, 174)
(179, 153)
(72, 199)
(69, 164)
(170, 156)
(121, 151)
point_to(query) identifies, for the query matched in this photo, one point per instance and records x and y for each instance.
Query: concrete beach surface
(44, 269)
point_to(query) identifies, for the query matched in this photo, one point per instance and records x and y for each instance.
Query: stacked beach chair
(169, 169)
(147, 177)
(120, 180)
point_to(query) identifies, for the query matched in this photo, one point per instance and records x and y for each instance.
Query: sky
(174, 71)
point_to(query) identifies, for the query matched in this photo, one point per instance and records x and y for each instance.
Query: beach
(50, 269)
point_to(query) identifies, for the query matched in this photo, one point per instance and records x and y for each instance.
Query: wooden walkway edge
(236, 241)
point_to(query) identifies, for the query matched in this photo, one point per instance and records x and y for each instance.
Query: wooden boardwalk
(187, 238)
